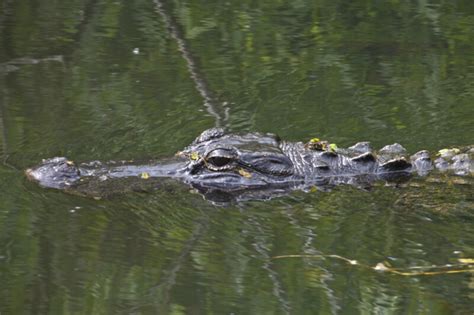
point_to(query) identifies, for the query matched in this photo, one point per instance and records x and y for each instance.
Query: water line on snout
(172, 169)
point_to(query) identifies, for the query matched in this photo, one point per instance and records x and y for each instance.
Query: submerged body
(251, 166)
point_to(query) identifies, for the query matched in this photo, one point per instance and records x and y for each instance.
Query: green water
(106, 80)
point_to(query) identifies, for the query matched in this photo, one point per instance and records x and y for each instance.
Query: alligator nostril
(28, 173)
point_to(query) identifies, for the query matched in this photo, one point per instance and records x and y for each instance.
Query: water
(107, 80)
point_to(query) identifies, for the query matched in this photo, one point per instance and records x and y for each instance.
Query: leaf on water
(313, 189)
(466, 260)
(244, 173)
(194, 156)
(460, 181)
(144, 175)
(70, 163)
(314, 140)
(381, 267)
(333, 147)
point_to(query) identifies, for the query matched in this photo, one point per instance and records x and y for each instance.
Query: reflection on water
(121, 89)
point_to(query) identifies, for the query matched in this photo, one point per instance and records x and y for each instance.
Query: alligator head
(233, 162)
(214, 161)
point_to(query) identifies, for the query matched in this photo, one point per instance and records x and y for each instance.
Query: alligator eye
(219, 161)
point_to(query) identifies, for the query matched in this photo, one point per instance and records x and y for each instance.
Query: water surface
(103, 80)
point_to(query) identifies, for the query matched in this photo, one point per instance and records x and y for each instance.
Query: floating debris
(194, 156)
(465, 265)
(244, 173)
(317, 144)
(448, 153)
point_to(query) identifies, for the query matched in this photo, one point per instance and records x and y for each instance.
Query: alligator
(223, 165)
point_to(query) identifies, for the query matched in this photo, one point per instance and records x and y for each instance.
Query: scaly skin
(251, 166)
